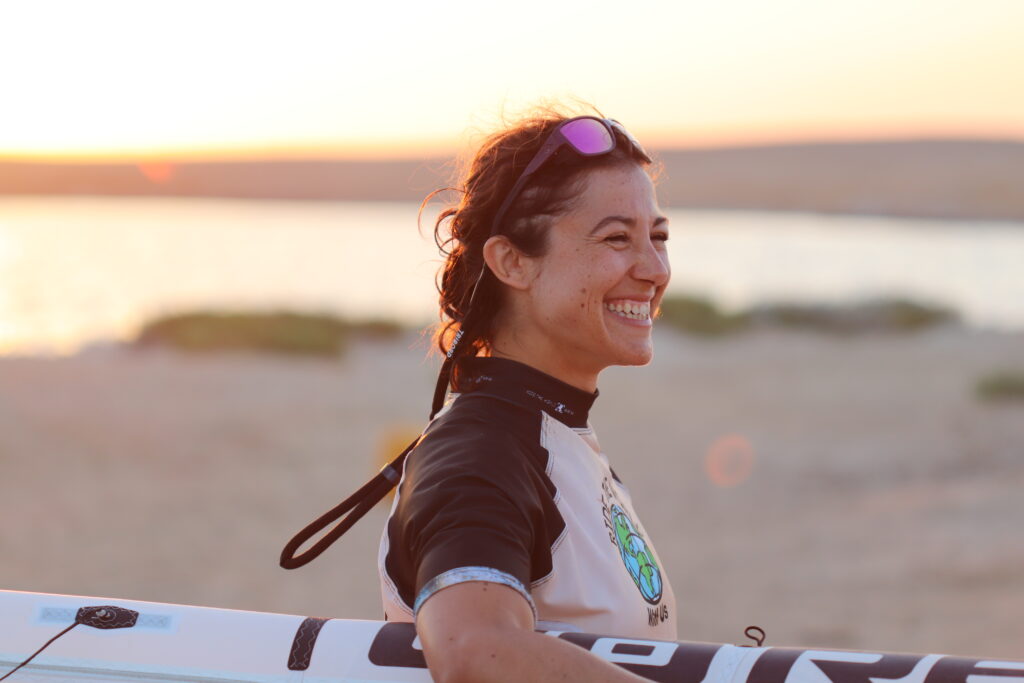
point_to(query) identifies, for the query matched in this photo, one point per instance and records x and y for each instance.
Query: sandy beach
(875, 502)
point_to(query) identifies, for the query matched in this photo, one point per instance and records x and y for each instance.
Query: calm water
(76, 270)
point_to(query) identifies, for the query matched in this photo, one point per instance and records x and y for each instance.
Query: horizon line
(303, 153)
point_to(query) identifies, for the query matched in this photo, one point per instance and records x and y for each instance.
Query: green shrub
(276, 332)
(902, 314)
(876, 315)
(1004, 385)
(700, 316)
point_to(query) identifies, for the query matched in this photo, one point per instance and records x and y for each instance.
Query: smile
(631, 310)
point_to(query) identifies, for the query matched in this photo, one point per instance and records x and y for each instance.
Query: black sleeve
(472, 496)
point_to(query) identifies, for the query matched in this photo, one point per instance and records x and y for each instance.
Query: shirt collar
(526, 386)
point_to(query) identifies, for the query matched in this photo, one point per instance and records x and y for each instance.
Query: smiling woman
(585, 304)
(606, 203)
(508, 516)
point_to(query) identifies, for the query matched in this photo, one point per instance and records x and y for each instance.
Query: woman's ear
(509, 265)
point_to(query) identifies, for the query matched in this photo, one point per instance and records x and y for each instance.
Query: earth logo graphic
(637, 557)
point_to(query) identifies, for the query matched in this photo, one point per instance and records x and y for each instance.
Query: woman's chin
(640, 354)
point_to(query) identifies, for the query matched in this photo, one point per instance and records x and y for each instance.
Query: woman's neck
(548, 361)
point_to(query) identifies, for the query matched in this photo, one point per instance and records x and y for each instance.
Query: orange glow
(729, 461)
(681, 74)
(157, 172)
(281, 151)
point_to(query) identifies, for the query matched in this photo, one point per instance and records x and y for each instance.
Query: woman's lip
(626, 299)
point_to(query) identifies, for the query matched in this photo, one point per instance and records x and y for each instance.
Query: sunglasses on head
(587, 136)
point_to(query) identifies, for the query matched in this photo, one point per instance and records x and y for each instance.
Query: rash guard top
(509, 485)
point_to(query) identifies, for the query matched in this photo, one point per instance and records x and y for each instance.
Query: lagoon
(75, 271)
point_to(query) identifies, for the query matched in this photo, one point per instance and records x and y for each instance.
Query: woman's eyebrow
(627, 220)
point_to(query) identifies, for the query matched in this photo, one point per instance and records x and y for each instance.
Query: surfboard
(128, 640)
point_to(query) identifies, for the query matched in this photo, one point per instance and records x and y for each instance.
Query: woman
(508, 517)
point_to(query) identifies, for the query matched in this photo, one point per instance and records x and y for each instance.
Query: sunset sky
(223, 79)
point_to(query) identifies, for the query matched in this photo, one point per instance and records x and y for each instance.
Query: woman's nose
(652, 264)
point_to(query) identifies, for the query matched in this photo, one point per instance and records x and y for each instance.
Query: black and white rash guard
(509, 485)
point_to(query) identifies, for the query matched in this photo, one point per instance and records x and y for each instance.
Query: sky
(140, 80)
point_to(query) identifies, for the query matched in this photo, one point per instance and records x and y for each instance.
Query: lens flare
(157, 172)
(729, 460)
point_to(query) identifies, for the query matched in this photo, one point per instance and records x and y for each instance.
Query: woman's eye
(660, 236)
(619, 237)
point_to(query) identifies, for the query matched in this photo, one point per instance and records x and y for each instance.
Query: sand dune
(883, 509)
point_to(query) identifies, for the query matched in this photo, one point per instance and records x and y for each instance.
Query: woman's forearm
(518, 655)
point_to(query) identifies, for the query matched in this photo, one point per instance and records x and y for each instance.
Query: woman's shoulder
(492, 411)
(481, 430)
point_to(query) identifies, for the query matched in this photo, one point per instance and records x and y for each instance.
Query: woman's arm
(481, 632)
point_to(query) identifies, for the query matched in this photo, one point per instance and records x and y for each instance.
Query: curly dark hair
(462, 229)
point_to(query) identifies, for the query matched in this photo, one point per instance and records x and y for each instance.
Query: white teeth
(629, 309)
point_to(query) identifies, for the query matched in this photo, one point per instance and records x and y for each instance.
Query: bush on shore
(328, 335)
(283, 332)
(699, 316)
(1003, 385)
(875, 315)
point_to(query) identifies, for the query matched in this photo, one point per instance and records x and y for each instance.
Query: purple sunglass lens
(588, 136)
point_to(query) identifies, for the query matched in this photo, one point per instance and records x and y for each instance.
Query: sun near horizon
(321, 80)
(420, 150)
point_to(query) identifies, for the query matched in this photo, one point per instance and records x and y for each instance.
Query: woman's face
(590, 301)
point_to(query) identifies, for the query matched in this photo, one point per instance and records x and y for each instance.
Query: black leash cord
(103, 617)
(39, 650)
(353, 508)
(756, 634)
(348, 511)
